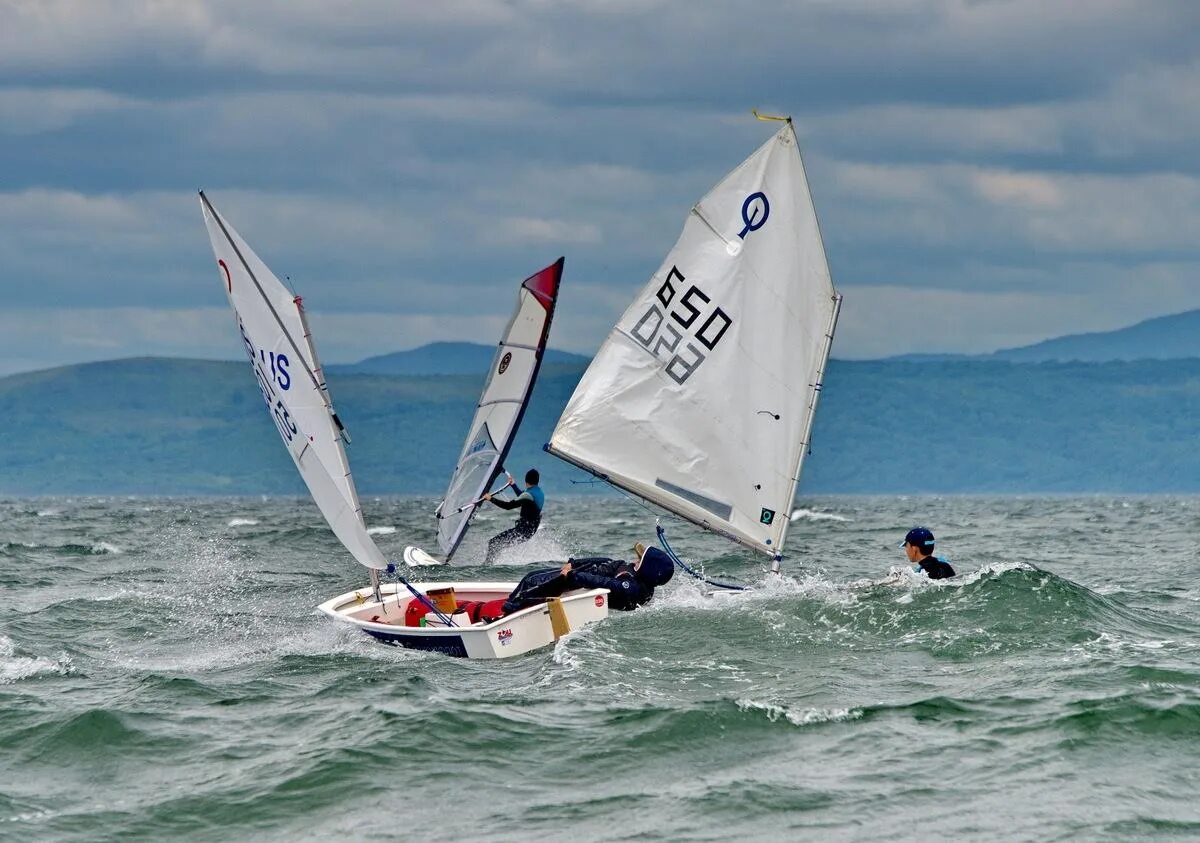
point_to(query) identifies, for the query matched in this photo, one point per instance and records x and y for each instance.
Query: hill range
(1172, 337)
(171, 426)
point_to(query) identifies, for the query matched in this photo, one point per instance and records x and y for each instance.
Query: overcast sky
(998, 170)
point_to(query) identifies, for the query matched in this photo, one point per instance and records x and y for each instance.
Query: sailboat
(276, 338)
(499, 412)
(702, 398)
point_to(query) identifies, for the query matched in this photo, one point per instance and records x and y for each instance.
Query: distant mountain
(446, 358)
(1163, 338)
(1173, 337)
(158, 426)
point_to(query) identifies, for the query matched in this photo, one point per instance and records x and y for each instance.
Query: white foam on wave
(380, 531)
(544, 548)
(101, 548)
(990, 570)
(814, 515)
(243, 522)
(800, 716)
(1107, 646)
(14, 668)
(49, 513)
(690, 593)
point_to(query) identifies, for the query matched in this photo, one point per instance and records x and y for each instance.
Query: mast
(343, 435)
(815, 393)
(806, 441)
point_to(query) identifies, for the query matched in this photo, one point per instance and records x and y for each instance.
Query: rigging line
(662, 539)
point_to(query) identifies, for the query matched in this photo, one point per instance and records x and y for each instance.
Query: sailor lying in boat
(629, 585)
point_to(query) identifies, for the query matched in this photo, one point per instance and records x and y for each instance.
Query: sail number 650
(662, 336)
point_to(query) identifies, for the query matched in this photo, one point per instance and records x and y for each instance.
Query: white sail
(702, 397)
(275, 337)
(502, 405)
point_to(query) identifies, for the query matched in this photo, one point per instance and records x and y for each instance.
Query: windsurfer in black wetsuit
(918, 547)
(530, 501)
(629, 585)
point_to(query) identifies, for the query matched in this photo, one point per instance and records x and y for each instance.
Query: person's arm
(490, 496)
(515, 503)
(602, 565)
(622, 585)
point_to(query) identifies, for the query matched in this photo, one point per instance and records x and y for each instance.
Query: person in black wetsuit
(918, 547)
(629, 585)
(530, 501)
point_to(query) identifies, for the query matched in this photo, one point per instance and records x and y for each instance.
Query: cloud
(404, 161)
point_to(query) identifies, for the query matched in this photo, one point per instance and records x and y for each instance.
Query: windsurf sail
(701, 400)
(501, 407)
(275, 336)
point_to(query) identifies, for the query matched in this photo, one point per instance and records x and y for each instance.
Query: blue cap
(918, 537)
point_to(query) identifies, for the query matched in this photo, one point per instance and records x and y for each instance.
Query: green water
(163, 677)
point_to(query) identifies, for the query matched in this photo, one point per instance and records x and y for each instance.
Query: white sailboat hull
(512, 635)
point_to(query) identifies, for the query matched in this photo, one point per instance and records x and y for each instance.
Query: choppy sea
(163, 676)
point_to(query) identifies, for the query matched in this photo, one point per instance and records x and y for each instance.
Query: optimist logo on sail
(755, 211)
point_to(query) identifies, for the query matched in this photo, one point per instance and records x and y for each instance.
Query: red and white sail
(501, 406)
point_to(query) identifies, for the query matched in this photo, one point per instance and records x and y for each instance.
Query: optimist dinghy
(702, 398)
(425, 616)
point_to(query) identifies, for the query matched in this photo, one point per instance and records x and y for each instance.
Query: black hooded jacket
(627, 588)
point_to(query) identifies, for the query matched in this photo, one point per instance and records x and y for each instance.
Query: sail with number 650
(701, 399)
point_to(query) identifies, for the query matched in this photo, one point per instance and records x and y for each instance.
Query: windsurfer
(629, 585)
(530, 501)
(918, 547)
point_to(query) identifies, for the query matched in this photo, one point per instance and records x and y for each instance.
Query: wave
(380, 531)
(243, 522)
(98, 733)
(814, 515)
(100, 548)
(14, 668)
(800, 716)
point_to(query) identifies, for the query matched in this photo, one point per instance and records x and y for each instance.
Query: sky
(987, 173)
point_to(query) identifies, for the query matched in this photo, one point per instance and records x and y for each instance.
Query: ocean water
(163, 676)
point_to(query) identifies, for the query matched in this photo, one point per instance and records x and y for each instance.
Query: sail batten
(269, 319)
(701, 398)
(501, 406)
